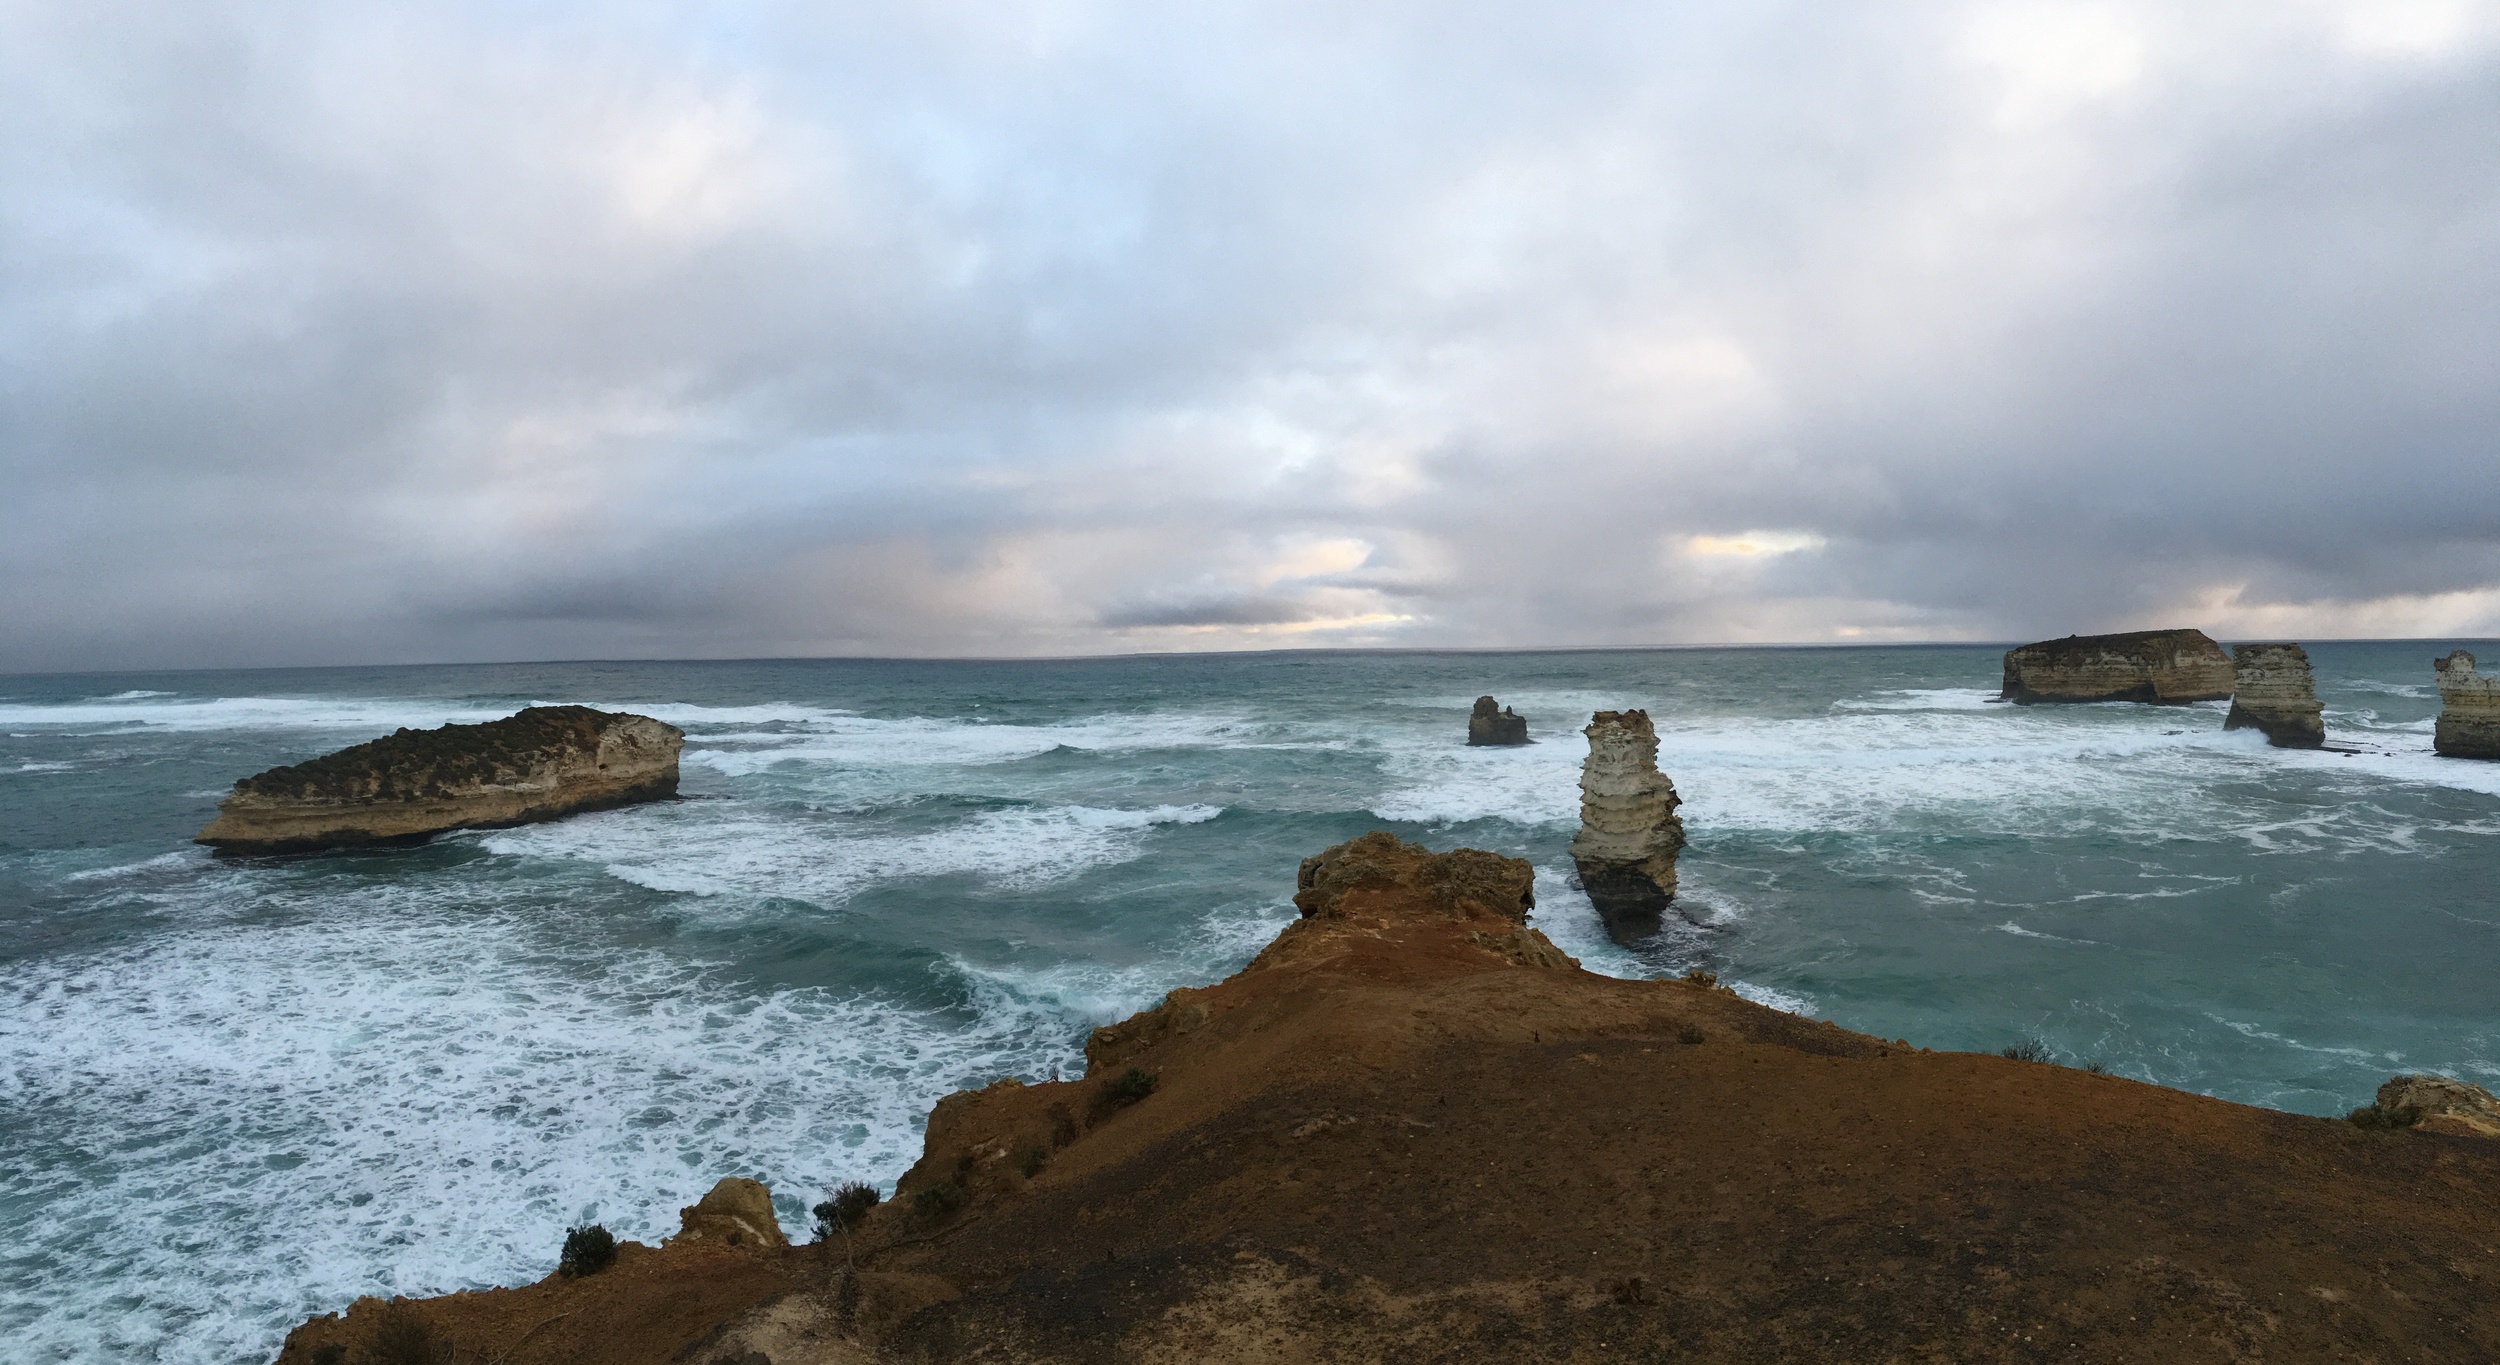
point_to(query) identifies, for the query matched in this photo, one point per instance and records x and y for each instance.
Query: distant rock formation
(738, 1212)
(2166, 667)
(2469, 709)
(2272, 691)
(542, 764)
(1489, 725)
(2443, 1105)
(1629, 834)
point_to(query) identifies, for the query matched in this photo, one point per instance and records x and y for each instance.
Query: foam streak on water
(236, 1092)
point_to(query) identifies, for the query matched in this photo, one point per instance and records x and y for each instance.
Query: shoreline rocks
(2162, 667)
(543, 763)
(1629, 834)
(2469, 709)
(1491, 723)
(2273, 691)
(736, 1212)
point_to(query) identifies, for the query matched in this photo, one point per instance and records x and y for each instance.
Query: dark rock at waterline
(1492, 723)
(544, 763)
(2273, 691)
(2165, 667)
(2469, 709)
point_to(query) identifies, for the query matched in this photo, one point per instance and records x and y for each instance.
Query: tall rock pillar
(2469, 709)
(2271, 690)
(1629, 834)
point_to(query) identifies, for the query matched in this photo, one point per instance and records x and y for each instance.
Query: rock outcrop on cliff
(541, 764)
(1629, 834)
(1410, 1130)
(2440, 1104)
(736, 1212)
(2469, 709)
(1492, 723)
(2162, 666)
(2272, 691)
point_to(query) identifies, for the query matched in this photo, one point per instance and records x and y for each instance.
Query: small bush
(1062, 1126)
(2028, 1050)
(1689, 1034)
(938, 1202)
(587, 1251)
(842, 1213)
(2097, 1067)
(404, 1337)
(2378, 1116)
(329, 1353)
(1031, 1161)
(1129, 1087)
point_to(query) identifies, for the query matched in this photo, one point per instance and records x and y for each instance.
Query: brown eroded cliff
(2272, 690)
(2469, 709)
(541, 764)
(1412, 1130)
(2162, 666)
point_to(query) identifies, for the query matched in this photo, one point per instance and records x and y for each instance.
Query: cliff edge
(542, 764)
(2469, 709)
(2166, 667)
(1413, 1130)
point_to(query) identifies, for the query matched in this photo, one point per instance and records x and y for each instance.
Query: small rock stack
(1629, 834)
(2273, 691)
(2469, 709)
(1493, 723)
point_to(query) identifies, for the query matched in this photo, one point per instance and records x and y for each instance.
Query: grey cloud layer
(405, 333)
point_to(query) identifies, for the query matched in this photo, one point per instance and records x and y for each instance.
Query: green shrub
(587, 1251)
(1689, 1034)
(1128, 1088)
(939, 1201)
(1031, 1160)
(850, 1203)
(2028, 1050)
(1062, 1126)
(404, 1337)
(2379, 1116)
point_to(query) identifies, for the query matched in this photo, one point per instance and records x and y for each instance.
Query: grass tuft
(2028, 1050)
(2382, 1116)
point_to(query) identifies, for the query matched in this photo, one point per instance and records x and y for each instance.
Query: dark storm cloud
(397, 333)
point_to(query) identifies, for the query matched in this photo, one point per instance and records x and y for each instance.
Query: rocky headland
(1493, 723)
(2167, 667)
(2469, 709)
(1413, 1130)
(1629, 835)
(542, 764)
(2272, 691)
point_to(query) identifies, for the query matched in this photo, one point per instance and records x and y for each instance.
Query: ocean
(234, 1092)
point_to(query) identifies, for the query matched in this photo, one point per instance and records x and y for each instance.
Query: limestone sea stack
(541, 764)
(2166, 667)
(2272, 691)
(1493, 723)
(1629, 834)
(2469, 709)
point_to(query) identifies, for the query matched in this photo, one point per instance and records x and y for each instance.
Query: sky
(371, 332)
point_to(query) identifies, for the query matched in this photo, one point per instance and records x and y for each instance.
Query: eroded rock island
(2166, 667)
(542, 764)
(2469, 709)
(1493, 723)
(1629, 834)
(2272, 691)
(1412, 1130)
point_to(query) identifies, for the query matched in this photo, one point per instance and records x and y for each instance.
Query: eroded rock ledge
(2167, 667)
(1411, 1130)
(542, 764)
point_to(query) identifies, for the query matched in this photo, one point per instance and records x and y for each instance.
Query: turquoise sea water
(234, 1092)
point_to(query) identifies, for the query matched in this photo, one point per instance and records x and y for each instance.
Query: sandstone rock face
(2469, 709)
(2161, 666)
(1629, 834)
(1492, 723)
(738, 1212)
(2446, 1106)
(2273, 691)
(544, 763)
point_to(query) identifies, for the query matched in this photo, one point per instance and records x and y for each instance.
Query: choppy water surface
(233, 1092)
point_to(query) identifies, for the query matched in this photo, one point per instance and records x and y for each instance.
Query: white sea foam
(754, 851)
(382, 1101)
(859, 742)
(47, 767)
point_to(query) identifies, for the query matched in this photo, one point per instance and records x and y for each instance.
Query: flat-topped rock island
(2165, 667)
(543, 763)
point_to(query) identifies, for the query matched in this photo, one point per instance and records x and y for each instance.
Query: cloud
(440, 332)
